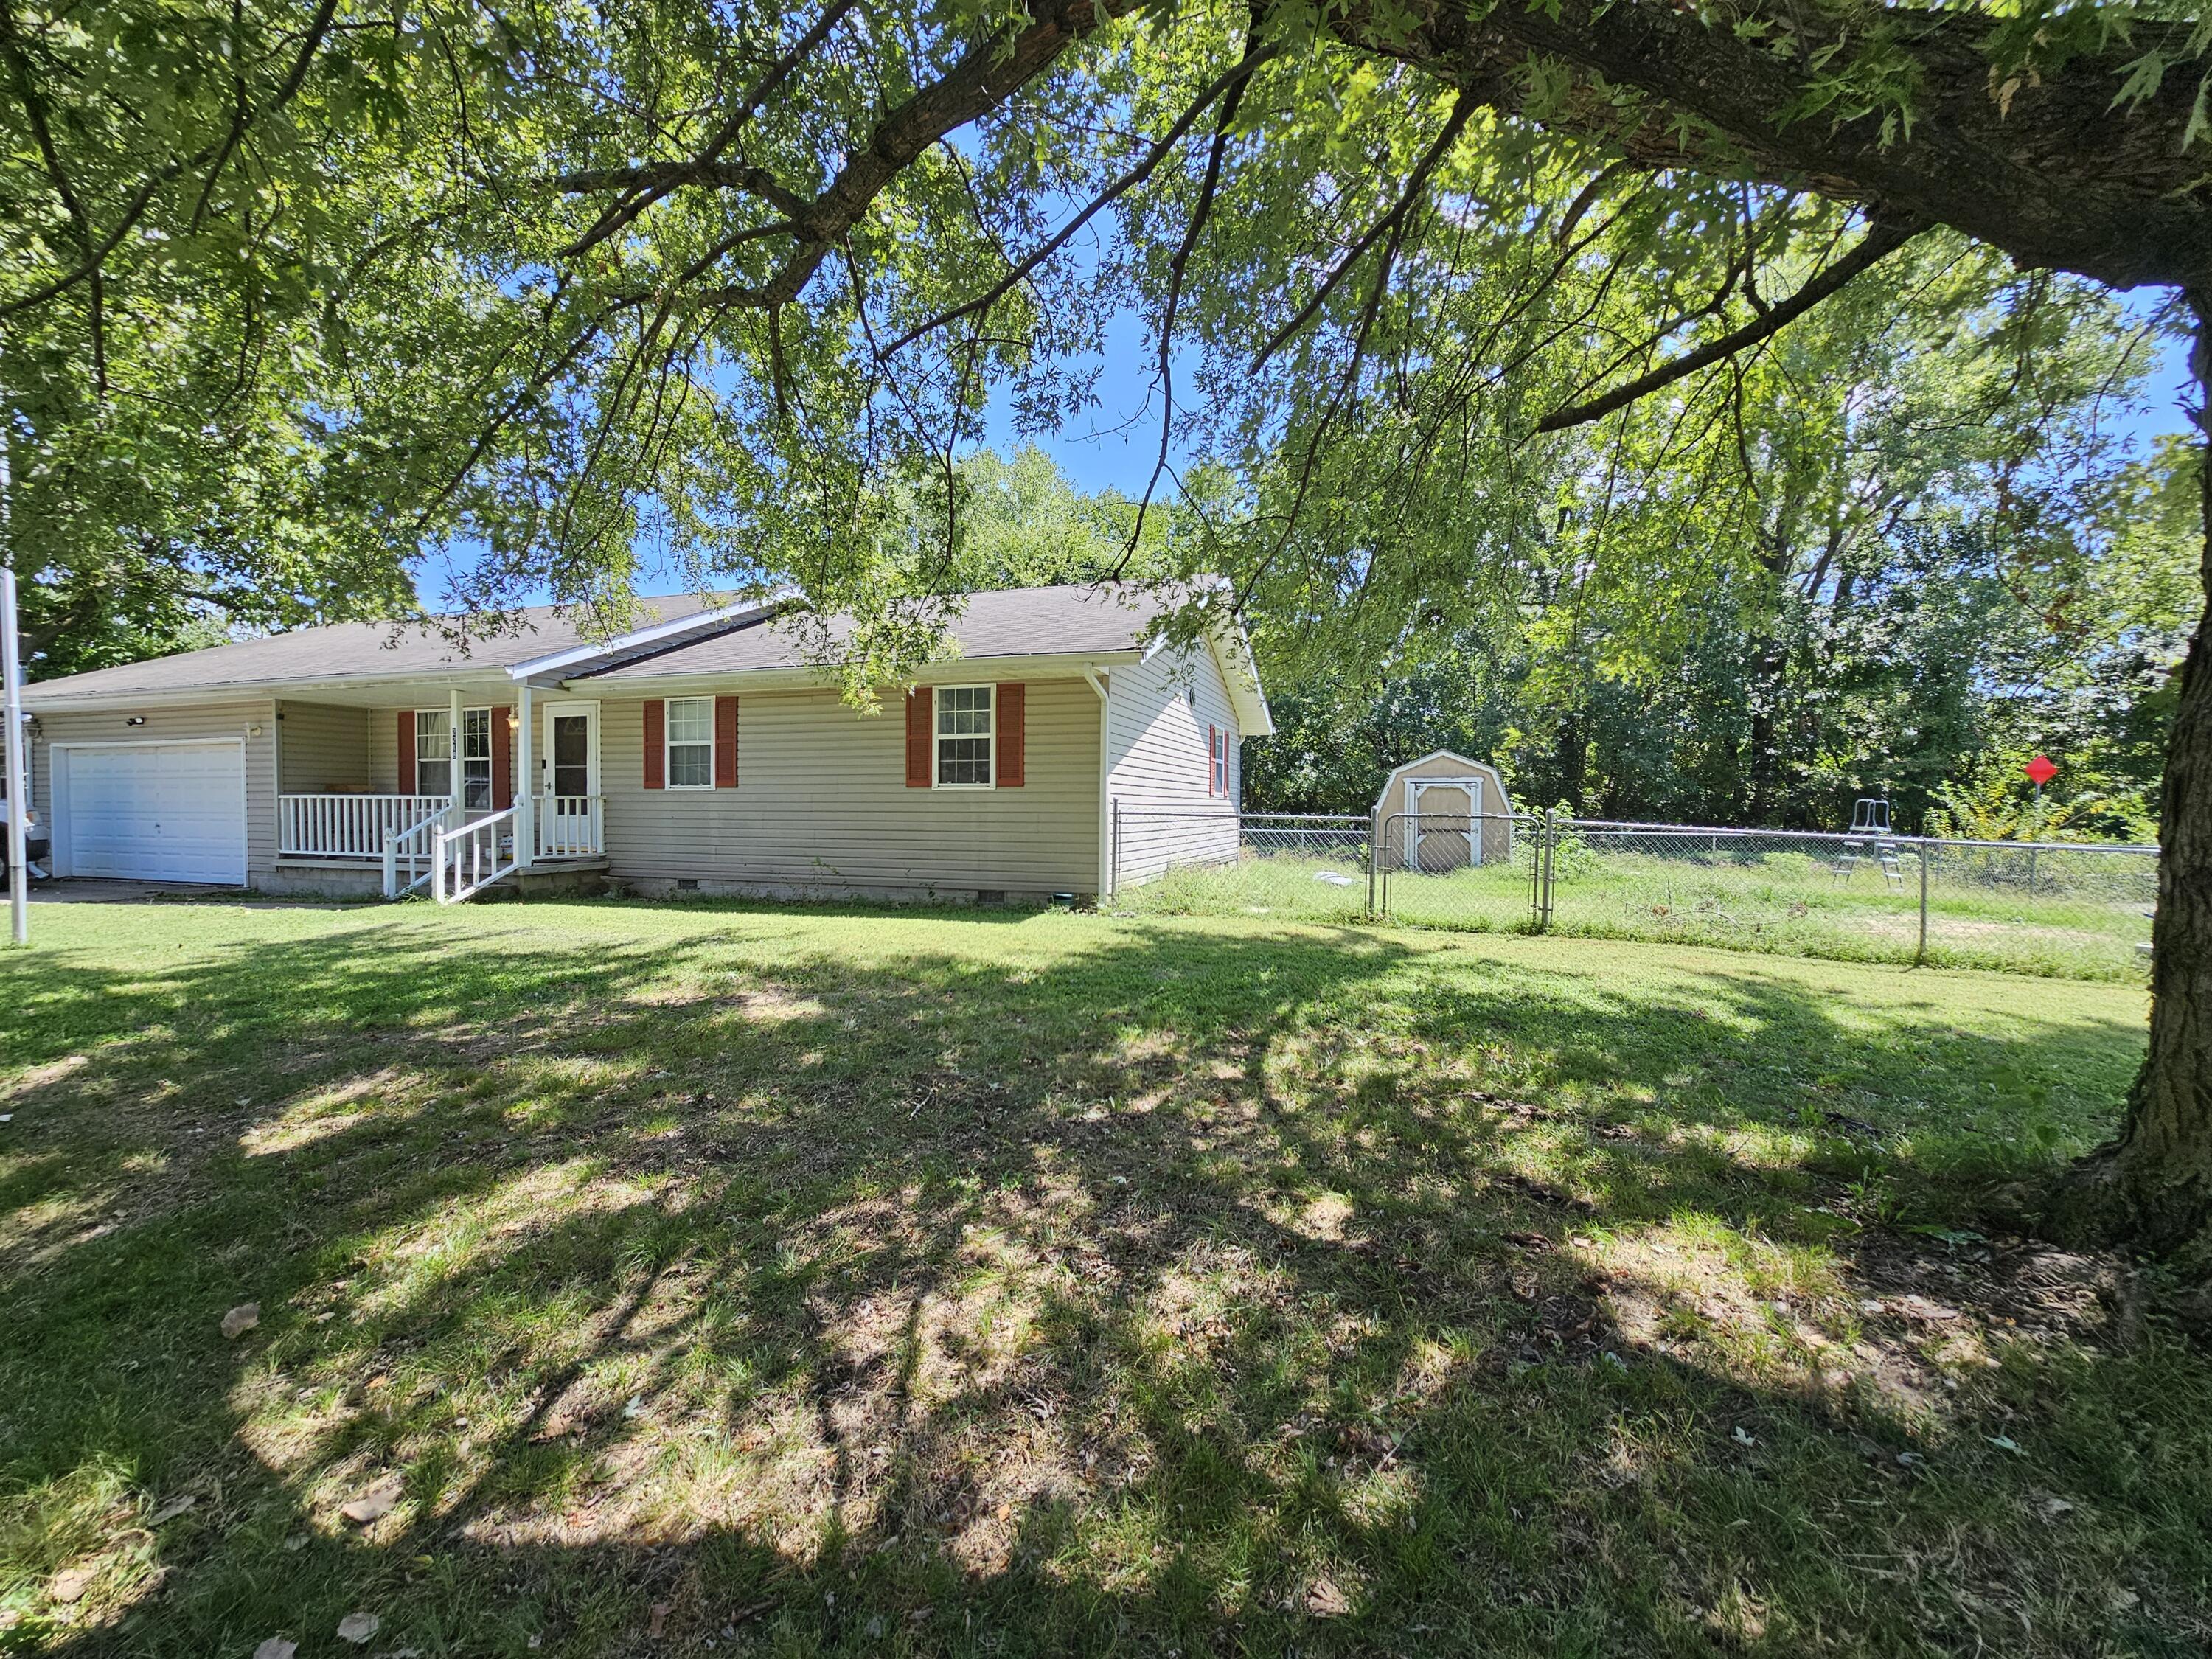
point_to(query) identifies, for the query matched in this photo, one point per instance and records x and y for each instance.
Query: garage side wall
(253, 720)
(1157, 714)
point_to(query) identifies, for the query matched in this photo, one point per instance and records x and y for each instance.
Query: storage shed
(1445, 811)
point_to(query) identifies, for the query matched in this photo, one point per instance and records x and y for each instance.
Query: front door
(569, 817)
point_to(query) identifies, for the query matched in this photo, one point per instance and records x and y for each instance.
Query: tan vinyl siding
(171, 723)
(1157, 719)
(383, 753)
(321, 749)
(822, 804)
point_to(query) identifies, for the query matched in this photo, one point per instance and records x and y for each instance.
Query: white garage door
(170, 812)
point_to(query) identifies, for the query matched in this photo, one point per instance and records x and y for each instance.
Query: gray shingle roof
(1016, 622)
(346, 651)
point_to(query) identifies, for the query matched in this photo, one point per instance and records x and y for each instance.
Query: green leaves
(542, 297)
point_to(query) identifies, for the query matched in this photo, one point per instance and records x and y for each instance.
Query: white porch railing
(347, 826)
(571, 826)
(465, 860)
(408, 834)
(410, 852)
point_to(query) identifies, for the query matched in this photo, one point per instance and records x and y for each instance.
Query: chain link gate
(1483, 870)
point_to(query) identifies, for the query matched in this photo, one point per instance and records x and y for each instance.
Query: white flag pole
(11, 680)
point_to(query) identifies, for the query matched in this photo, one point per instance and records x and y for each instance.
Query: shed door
(156, 812)
(1444, 823)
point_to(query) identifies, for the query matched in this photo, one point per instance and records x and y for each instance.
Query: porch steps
(540, 880)
(462, 894)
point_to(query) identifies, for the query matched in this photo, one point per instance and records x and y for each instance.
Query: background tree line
(1933, 562)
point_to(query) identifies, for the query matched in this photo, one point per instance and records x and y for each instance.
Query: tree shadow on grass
(1172, 1288)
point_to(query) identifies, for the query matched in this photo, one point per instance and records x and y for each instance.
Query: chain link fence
(2066, 909)
(1262, 864)
(2070, 911)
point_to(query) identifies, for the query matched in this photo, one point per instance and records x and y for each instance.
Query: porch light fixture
(135, 720)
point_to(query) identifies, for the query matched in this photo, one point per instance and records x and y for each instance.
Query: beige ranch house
(701, 752)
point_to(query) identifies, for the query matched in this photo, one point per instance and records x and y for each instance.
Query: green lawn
(2087, 919)
(709, 1279)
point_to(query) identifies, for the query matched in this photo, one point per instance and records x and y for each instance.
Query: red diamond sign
(2040, 770)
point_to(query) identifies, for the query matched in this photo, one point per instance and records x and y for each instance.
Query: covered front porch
(463, 785)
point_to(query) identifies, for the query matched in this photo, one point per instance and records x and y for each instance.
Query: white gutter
(1094, 677)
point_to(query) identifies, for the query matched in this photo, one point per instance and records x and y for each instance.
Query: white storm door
(570, 777)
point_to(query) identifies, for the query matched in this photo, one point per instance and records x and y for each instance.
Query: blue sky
(1114, 443)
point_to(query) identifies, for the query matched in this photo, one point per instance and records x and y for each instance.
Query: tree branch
(1880, 240)
(1207, 186)
(1463, 107)
(639, 195)
(2016, 172)
(1230, 80)
(311, 43)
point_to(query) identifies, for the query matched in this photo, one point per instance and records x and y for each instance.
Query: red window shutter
(502, 761)
(1012, 699)
(725, 743)
(1213, 738)
(406, 752)
(656, 743)
(920, 709)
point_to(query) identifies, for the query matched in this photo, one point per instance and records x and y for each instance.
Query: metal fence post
(1921, 956)
(1551, 838)
(1374, 837)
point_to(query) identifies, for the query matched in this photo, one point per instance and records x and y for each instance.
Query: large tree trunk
(2152, 1188)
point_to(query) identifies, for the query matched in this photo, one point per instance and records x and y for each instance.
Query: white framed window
(433, 775)
(434, 756)
(964, 734)
(476, 759)
(690, 743)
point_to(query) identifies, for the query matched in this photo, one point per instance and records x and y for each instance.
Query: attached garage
(151, 811)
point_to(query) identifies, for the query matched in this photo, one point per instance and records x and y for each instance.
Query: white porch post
(526, 794)
(457, 810)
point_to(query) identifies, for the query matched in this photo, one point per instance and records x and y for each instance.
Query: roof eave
(489, 677)
(1240, 670)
